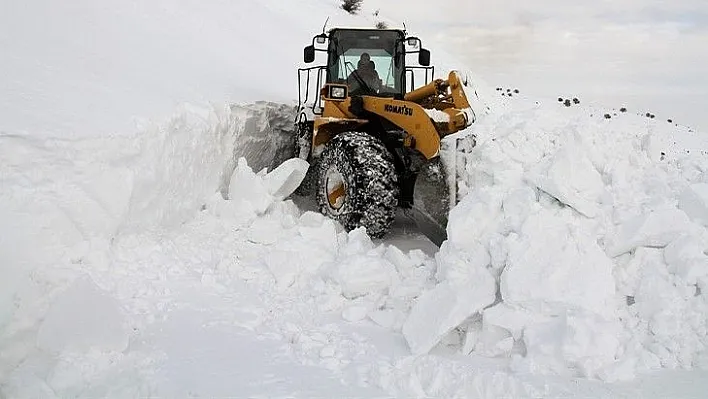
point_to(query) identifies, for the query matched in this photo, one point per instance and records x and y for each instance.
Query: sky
(646, 55)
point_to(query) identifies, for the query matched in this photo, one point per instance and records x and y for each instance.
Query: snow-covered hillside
(152, 260)
(93, 69)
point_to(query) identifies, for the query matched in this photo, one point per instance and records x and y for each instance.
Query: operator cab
(369, 61)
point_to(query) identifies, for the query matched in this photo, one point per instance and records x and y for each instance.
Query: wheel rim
(336, 189)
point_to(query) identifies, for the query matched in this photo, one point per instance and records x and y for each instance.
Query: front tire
(357, 183)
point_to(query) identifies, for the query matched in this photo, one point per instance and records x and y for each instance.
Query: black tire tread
(372, 183)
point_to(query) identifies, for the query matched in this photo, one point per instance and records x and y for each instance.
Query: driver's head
(364, 62)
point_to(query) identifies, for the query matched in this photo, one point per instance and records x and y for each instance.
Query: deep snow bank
(591, 231)
(65, 197)
(186, 159)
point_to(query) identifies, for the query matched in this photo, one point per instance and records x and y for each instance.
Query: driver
(366, 71)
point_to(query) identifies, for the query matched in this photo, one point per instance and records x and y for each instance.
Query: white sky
(648, 55)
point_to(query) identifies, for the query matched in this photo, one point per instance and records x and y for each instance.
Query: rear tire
(364, 167)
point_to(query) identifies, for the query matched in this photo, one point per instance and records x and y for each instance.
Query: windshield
(365, 60)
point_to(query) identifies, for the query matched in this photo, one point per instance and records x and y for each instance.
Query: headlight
(338, 92)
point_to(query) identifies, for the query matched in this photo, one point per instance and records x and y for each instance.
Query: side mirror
(424, 57)
(309, 55)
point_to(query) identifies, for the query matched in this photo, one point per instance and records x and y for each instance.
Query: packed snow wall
(63, 194)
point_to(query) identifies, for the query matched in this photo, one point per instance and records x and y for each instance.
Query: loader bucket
(436, 186)
(431, 201)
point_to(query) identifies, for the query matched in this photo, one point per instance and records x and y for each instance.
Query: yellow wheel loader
(372, 138)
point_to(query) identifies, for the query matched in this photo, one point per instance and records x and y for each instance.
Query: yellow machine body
(412, 114)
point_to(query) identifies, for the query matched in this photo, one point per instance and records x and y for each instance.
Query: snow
(656, 229)
(169, 259)
(568, 225)
(438, 116)
(286, 178)
(570, 177)
(100, 324)
(443, 308)
(694, 201)
(363, 275)
(565, 270)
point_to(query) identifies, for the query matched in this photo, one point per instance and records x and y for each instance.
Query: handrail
(300, 99)
(428, 77)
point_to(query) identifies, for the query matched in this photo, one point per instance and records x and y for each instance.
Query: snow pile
(596, 246)
(522, 276)
(180, 222)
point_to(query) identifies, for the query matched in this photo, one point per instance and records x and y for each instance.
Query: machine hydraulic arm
(447, 96)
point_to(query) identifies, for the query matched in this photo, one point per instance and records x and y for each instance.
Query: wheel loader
(372, 138)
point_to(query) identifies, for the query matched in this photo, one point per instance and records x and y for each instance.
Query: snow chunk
(238, 211)
(247, 186)
(473, 217)
(83, 318)
(510, 318)
(404, 264)
(445, 307)
(364, 274)
(493, 341)
(694, 201)
(552, 266)
(438, 116)
(574, 340)
(687, 257)
(655, 229)
(392, 319)
(311, 219)
(355, 313)
(291, 258)
(669, 318)
(570, 177)
(286, 178)
(461, 267)
(357, 242)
